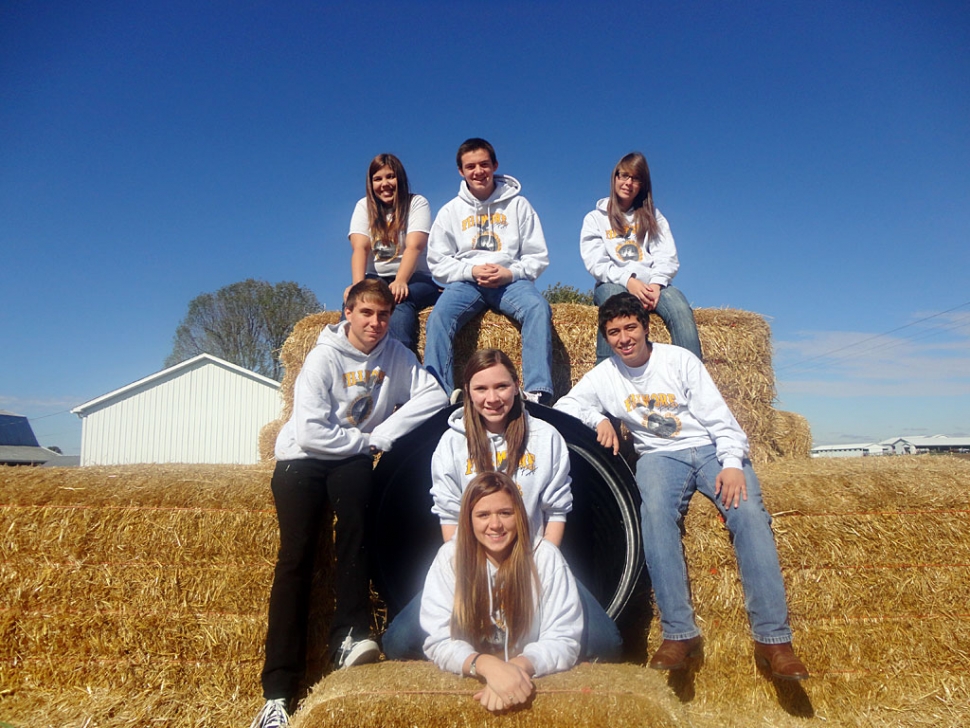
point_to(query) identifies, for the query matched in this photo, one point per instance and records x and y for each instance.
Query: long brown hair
(516, 581)
(377, 212)
(476, 436)
(635, 165)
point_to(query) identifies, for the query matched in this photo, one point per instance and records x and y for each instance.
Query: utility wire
(828, 354)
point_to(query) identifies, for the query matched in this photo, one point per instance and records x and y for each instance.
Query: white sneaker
(358, 652)
(273, 715)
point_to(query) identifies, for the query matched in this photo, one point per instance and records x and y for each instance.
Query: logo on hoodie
(486, 239)
(627, 248)
(384, 251)
(363, 404)
(656, 423)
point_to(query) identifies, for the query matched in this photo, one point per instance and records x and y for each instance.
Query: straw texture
(137, 596)
(737, 353)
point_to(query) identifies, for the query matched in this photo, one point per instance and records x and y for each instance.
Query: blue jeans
(422, 293)
(672, 308)
(404, 638)
(462, 300)
(667, 481)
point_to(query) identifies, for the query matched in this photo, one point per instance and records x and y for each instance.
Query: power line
(828, 354)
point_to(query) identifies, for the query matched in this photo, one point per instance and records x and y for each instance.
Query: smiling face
(384, 183)
(368, 324)
(628, 339)
(492, 392)
(627, 187)
(478, 169)
(494, 525)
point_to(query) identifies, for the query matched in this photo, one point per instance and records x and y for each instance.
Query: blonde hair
(517, 585)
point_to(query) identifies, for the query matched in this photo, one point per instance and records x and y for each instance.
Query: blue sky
(812, 158)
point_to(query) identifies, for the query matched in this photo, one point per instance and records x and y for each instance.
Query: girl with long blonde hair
(493, 432)
(497, 604)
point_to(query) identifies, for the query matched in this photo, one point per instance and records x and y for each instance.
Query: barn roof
(166, 374)
(25, 455)
(16, 430)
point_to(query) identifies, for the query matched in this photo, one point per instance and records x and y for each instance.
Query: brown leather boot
(780, 660)
(673, 654)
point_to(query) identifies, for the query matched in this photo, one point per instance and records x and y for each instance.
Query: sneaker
(358, 652)
(455, 397)
(273, 715)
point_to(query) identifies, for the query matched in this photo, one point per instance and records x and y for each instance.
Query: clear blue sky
(813, 159)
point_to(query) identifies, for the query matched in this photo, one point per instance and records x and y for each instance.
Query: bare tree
(245, 323)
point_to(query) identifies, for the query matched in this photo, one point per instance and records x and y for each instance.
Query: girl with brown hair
(498, 605)
(389, 236)
(494, 432)
(627, 247)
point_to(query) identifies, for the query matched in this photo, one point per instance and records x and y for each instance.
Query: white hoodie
(613, 258)
(552, 643)
(542, 477)
(504, 229)
(344, 399)
(670, 403)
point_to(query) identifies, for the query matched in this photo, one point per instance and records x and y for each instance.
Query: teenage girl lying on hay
(498, 605)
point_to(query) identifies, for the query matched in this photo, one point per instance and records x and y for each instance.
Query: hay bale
(736, 344)
(136, 595)
(122, 586)
(294, 351)
(407, 694)
(875, 555)
(267, 437)
(791, 436)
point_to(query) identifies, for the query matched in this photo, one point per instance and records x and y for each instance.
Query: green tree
(245, 323)
(559, 293)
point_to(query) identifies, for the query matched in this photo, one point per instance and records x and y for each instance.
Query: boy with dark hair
(487, 248)
(687, 440)
(358, 391)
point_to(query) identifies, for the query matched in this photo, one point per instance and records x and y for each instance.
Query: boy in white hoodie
(687, 441)
(358, 391)
(487, 248)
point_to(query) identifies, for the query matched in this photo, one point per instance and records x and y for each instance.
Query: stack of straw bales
(737, 353)
(137, 596)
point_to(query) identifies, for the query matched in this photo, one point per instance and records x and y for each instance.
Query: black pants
(302, 489)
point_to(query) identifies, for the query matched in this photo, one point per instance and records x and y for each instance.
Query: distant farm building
(910, 445)
(853, 450)
(204, 410)
(915, 445)
(18, 444)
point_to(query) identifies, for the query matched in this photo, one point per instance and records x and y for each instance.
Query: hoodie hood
(506, 187)
(335, 336)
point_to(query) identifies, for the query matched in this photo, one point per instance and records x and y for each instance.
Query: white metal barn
(204, 410)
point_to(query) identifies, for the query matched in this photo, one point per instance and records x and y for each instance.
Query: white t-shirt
(386, 255)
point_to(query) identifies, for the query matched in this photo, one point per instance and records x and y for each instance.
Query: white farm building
(204, 410)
